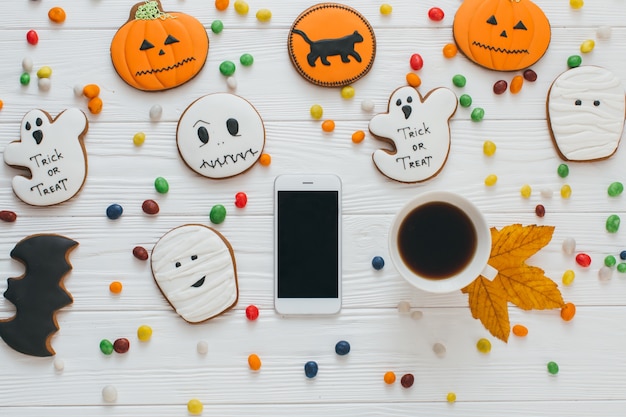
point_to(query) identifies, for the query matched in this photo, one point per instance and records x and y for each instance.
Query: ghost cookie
(194, 267)
(586, 108)
(54, 153)
(418, 128)
(220, 135)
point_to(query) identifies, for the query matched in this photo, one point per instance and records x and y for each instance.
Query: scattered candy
(568, 277)
(562, 170)
(450, 50)
(140, 253)
(516, 84)
(150, 207)
(252, 312)
(417, 314)
(342, 348)
(91, 90)
(328, 125)
(553, 368)
(241, 199)
(246, 60)
(603, 32)
(8, 216)
(435, 14)
(316, 111)
(612, 223)
(478, 114)
(583, 260)
(358, 136)
(106, 346)
(254, 362)
(231, 82)
(621, 267)
(587, 46)
(58, 364)
(491, 180)
(95, 105)
(610, 260)
(530, 75)
(32, 37)
(264, 15)
(622, 255)
(439, 349)
(202, 347)
(121, 345)
(546, 193)
(465, 100)
(78, 90)
(115, 287)
(109, 394)
(25, 78)
(221, 5)
(576, 4)
(367, 105)
(483, 345)
(385, 9)
(566, 191)
(144, 333)
(413, 79)
(139, 138)
(156, 111)
(378, 263)
(227, 68)
(569, 245)
(265, 159)
(57, 15)
(519, 330)
(459, 80)
(310, 369)
(27, 64)
(404, 307)
(500, 87)
(574, 61)
(195, 407)
(161, 185)
(489, 148)
(389, 377)
(114, 211)
(451, 397)
(217, 214)
(416, 62)
(347, 92)
(1, 104)
(241, 7)
(615, 189)
(217, 26)
(44, 72)
(407, 380)
(44, 84)
(605, 273)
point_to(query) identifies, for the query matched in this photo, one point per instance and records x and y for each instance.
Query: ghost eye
(203, 135)
(398, 102)
(409, 99)
(145, 45)
(194, 257)
(578, 102)
(177, 264)
(38, 122)
(170, 39)
(596, 103)
(520, 25)
(233, 127)
(27, 126)
(492, 20)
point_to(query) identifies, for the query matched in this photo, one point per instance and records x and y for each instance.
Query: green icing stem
(150, 11)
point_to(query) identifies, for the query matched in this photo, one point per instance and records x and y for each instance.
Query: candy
(150, 207)
(612, 223)
(530, 75)
(435, 14)
(587, 46)
(115, 287)
(519, 330)
(44, 84)
(615, 189)
(217, 214)
(568, 277)
(195, 407)
(328, 125)
(27, 64)
(106, 346)
(246, 60)
(407, 380)
(114, 211)
(221, 5)
(417, 314)
(566, 191)
(227, 68)
(439, 349)
(347, 92)
(605, 273)
(161, 185)
(254, 362)
(367, 105)
(553, 368)
(57, 15)
(140, 253)
(516, 84)
(109, 394)
(465, 100)
(1, 104)
(264, 15)
(25, 78)
(241, 7)
(231, 82)
(378, 263)
(95, 105)
(450, 50)
(139, 138)
(389, 377)
(610, 260)
(574, 61)
(342, 348)
(32, 37)
(621, 267)
(252, 312)
(546, 193)
(44, 72)
(121, 345)
(603, 32)
(540, 210)
(310, 369)
(202, 347)
(459, 80)
(491, 180)
(569, 245)
(451, 397)
(8, 216)
(91, 90)
(265, 159)
(58, 364)
(144, 333)
(413, 79)
(622, 255)
(576, 4)
(477, 114)
(241, 199)
(156, 111)
(583, 260)
(562, 170)
(416, 62)
(489, 148)
(217, 26)
(358, 136)
(316, 111)
(483, 345)
(385, 9)
(500, 87)
(404, 307)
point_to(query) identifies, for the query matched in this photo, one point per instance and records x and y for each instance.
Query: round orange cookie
(332, 45)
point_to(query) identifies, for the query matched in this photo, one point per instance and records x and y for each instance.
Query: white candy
(203, 347)
(367, 105)
(416, 315)
(404, 307)
(603, 32)
(58, 364)
(439, 349)
(231, 82)
(569, 246)
(27, 64)
(78, 90)
(109, 394)
(605, 273)
(547, 193)
(44, 84)
(156, 112)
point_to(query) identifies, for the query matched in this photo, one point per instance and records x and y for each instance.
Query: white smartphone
(307, 244)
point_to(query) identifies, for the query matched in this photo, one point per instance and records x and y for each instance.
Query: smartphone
(307, 244)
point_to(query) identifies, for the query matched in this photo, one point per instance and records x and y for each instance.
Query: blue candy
(378, 263)
(114, 211)
(342, 348)
(622, 255)
(310, 369)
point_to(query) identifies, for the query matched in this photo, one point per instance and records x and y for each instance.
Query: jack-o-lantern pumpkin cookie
(194, 267)
(502, 35)
(156, 50)
(332, 45)
(418, 128)
(586, 108)
(220, 135)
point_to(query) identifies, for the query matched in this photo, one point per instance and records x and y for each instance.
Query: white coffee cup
(475, 266)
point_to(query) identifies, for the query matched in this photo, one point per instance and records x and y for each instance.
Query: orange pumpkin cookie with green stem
(502, 35)
(157, 50)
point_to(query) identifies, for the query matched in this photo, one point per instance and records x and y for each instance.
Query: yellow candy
(254, 362)
(347, 92)
(451, 397)
(576, 4)
(483, 345)
(44, 72)
(566, 191)
(568, 277)
(587, 46)
(491, 180)
(489, 148)
(264, 15)
(195, 407)
(317, 111)
(144, 333)
(385, 9)
(241, 7)
(525, 191)
(139, 138)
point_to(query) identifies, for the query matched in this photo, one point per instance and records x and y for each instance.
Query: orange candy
(91, 90)
(389, 377)
(221, 5)
(358, 136)
(95, 105)
(115, 287)
(516, 84)
(413, 80)
(519, 330)
(1, 104)
(254, 362)
(450, 50)
(328, 125)
(56, 14)
(568, 311)
(265, 159)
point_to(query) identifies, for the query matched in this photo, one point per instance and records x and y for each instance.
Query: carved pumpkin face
(503, 35)
(156, 51)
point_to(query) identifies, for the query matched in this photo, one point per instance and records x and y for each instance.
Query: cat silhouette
(324, 48)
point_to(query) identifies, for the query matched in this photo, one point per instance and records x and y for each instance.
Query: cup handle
(489, 272)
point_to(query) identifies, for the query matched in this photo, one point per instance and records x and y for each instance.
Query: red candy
(121, 345)
(540, 210)
(140, 253)
(416, 62)
(150, 207)
(436, 14)
(583, 260)
(500, 87)
(8, 216)
(32, 37)
(252, 312)
(241, 199)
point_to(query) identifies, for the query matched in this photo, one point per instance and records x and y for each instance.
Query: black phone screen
(308, 244)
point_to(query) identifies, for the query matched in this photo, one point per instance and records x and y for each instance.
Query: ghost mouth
(502, 50)
(171, 67)
(199, 282)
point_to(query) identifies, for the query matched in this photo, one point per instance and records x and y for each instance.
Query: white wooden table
(159, 377)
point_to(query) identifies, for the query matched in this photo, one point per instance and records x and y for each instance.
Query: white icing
(421, 137)
(58, 163)
(225, 154)
(214, 262)
(586, 132)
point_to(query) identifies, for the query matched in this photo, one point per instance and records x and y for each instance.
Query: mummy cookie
(54, 153)
(220, 135)
(586, 108)
(418, 128)
(194, 267)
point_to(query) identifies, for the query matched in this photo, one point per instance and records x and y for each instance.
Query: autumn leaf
(523, 285)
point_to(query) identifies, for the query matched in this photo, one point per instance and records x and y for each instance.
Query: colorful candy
(530, 75)
(389, 377)
(489, 148)
(227, 68)
(483, 345)
(25, 78)
(459, 80)
(569, 245)
(576, 4)
(221, 5)
(553, 368)
(195, 407)
(217, 214)
(140, 253)
(562, 170)
(491, 180)
(311, 369)
(477, 114)
(121, 345)
(241, 199)
(587, 46)
(32, 37)
(144, 333)
(316, 111)
(106, 346)
(540, 210)
(265, 159)
(57, 15)
(583, 260)
(246, 60)
(500, 87)
(612, 223)
(264, 15)
(451, 397)
(217, 26)
(574, 61)
(44, 72)
(91, 90)
(416, 62)
(435, 14)
(465, 100)
(241, 7)
(109, 394)
(450, 50)
(95, 105)
(358, 136)
(605, 273)
(413, 79)
(342, 348)
(378, 263)
(516, 84)
(150, 207)
(115, 287)
(610, 260)
(139, 138)
(328, 125)
(114, 211)
(252, 312)
(407, 380)
(161, 185)
(566, 191)
(615, 189)
(568, 277)
(385, 9)
(347, 92)
(254, 362)
(622, 255)
(621, 267)
(8, 216)
(519, 330)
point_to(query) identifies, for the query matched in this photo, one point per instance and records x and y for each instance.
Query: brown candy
(540, 210)
(407, 380)
(500, 87)
(121, 345)
(150, 207)
(530, 75)
(8, 216)
(140, 253)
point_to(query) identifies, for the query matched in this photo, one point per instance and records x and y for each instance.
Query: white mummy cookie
(54, 153)
(419, 130)
(220, 135)
(586, 108)
(195, 269)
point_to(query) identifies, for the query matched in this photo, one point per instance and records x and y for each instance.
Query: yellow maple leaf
(488, 303)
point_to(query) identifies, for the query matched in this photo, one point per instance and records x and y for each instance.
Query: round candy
(44, 84)
(114, 211)
(342, 348)
(358, 136)
(562, 170)
(413, 80)
(622, 255)
(252, 312)
(241, 7)
(121, 345)
(568, 277)
(574, 61)
(91, 90)
(367, 105)
(389, 377)
(576, 4)
(404, 307)
(483, 345)
(109, 394)
(32, 37)
(347, 92)
(385, 9)
(8, 216)
(465, 100)
(57, 15)
(519, 330)
(221, 5)
(58, 364)
(489, 148)
(227, 68)
(231, 82)
(217, 26)
(195, 407)
(217, 214)
(583, 260)
(139, 138)
(150, 207)
(202, 347)
(569, 245)
(407, 380)
(451, 397)
(500, 87)
(44, 72)
(161, 185)
(25, 78)
(605, 273)
(328, 125)
(265, 159)
(530, 75)
(439, 349)
(27, 64)
(246, 60)
(310, 369)
(106, 346)
(316, 111)
(115, 287)
(491, 180)
(540, 210)
(587, 46)
(264, 15)
(78, 90)
(566, 191)
(615, 189)
(603, 32)
(526, 191)
(612, 223)
(435, 14)
(477, 114)
(621, 267)
(516, 84)
(144, 332)
(459, 80)
(416, 315)
(95, 105)
(156, 111)
(140, 253)
(378, 263)
(450, 50)
(553, 368)
(416, 62)
(241, 199)
(254, 362)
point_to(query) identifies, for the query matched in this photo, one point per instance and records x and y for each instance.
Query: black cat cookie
(332, 45)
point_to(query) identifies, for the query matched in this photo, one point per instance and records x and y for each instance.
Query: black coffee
(437, 240)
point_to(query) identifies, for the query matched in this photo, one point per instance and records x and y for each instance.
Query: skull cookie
(586, 108)
(54, 153)
(194, 267)
(220, 135)
(418, 128)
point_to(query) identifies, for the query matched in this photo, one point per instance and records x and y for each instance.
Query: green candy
(217, 214)
(106, 346)
(553, 368)
(246, 60)
(621, 267)
(563, 170)
(574, 61)
(25, 78)
(612, 223)
(477, 114)
(217, 26)
(161, 185)
(465, 100)
(615, 189)
(610, 260)
(459, 81)
(227, 68)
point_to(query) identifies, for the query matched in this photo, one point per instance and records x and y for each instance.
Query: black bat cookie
(38, 293)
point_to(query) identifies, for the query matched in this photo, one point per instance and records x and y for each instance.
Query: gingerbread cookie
(418, 128)
(156, 50)
(37, 294)
(502, 35)
(54, 153)
(586, 108)
(332, 45)
(220, 135)
(194, 267)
